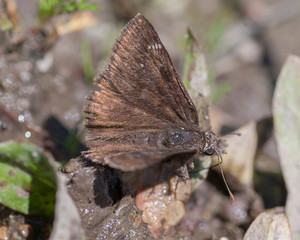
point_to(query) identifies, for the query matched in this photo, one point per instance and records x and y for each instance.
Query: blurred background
(50, 52)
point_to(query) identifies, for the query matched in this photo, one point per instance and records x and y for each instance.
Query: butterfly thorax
(187, 139)
(202, 142)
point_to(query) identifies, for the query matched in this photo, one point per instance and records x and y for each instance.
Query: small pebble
(3, 233)
(24, 230)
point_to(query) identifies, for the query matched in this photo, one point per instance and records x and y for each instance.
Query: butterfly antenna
(217, 164)
(222, 173)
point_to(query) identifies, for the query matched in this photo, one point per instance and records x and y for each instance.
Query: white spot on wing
(155, 46)
(142, 65)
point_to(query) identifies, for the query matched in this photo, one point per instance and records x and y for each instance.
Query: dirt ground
(46, 70)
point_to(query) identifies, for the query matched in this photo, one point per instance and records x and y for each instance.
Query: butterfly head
(214, 145)
(217, 146)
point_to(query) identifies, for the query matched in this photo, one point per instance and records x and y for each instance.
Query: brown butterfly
(142, 113)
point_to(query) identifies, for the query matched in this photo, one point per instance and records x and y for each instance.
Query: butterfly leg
(163, 170)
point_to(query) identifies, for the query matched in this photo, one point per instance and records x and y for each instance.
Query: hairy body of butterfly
(142, 113)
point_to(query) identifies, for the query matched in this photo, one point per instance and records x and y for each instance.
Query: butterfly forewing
(141, 70)
(140, 93)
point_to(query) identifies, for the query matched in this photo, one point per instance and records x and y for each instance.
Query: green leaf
(27, 180)
(189, 58)
(48, 8)
(195, 80)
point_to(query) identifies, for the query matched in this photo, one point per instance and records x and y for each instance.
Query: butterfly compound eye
(210, 151)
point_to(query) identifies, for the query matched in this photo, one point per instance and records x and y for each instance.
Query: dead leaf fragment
(239, 160)
(76, 23)
(197, 79)
(286, 114)
(67, 223)
(271, 225)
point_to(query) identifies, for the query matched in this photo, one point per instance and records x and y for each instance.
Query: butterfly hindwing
(131, 161)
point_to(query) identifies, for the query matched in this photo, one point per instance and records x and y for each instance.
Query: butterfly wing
(140, 92)
(142, 71)
(131, 161)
